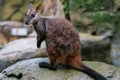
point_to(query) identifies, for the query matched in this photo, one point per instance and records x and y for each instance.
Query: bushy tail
(92, 73)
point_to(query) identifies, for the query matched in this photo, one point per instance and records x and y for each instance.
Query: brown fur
(62, 41)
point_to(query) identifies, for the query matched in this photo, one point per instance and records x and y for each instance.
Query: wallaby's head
(32, 14)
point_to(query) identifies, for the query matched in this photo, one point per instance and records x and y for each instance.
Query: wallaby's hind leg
(77, 64)
(52, 65)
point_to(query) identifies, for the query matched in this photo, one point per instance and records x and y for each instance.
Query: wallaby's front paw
(38, 45)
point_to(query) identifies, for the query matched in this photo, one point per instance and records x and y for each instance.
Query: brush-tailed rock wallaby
(62, 41)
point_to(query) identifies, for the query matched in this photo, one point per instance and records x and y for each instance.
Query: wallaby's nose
(26, 22)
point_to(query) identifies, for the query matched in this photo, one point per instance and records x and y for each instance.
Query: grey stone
(18, 50)
(6, 30)
(31, 71)
(115, 49)
(95, 48)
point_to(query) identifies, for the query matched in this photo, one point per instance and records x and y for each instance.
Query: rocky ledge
(29, 70)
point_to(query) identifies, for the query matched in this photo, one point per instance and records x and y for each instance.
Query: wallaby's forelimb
(52, 65)
(38, 42)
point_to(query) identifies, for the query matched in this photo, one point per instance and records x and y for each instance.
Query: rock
(18, 50)
(115, 54)
(90, 21)
(80, 21)
(95, 48)
(100, 30)
(6, 30)
(1, 46)
(117, 2)
(80, 18)
(29, 70)
(115, 50)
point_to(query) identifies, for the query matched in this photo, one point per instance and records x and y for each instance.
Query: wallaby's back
(62, 39)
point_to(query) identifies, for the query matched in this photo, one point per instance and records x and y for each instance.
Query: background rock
(115, 49)
(30, 70)
(95, 48)
(18, 50)
(6, 28)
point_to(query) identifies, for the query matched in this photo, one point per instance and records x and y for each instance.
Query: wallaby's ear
(38, 8)
(30, 6)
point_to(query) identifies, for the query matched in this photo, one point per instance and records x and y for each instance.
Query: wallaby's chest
(39, 27)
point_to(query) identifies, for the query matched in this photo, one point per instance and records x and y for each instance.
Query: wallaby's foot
(38, 45)
(46, 65)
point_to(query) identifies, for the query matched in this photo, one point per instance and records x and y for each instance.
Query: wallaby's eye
(32, 15)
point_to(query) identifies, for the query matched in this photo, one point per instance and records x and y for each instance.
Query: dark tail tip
(92, 73)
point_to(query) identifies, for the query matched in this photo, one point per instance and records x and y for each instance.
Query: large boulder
(29, 70)
(95, 48)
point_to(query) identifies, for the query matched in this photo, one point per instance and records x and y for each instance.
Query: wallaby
(62, 41)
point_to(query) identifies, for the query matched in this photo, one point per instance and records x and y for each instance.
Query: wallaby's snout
(30, 18)
(29, 14)
(26, 22)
